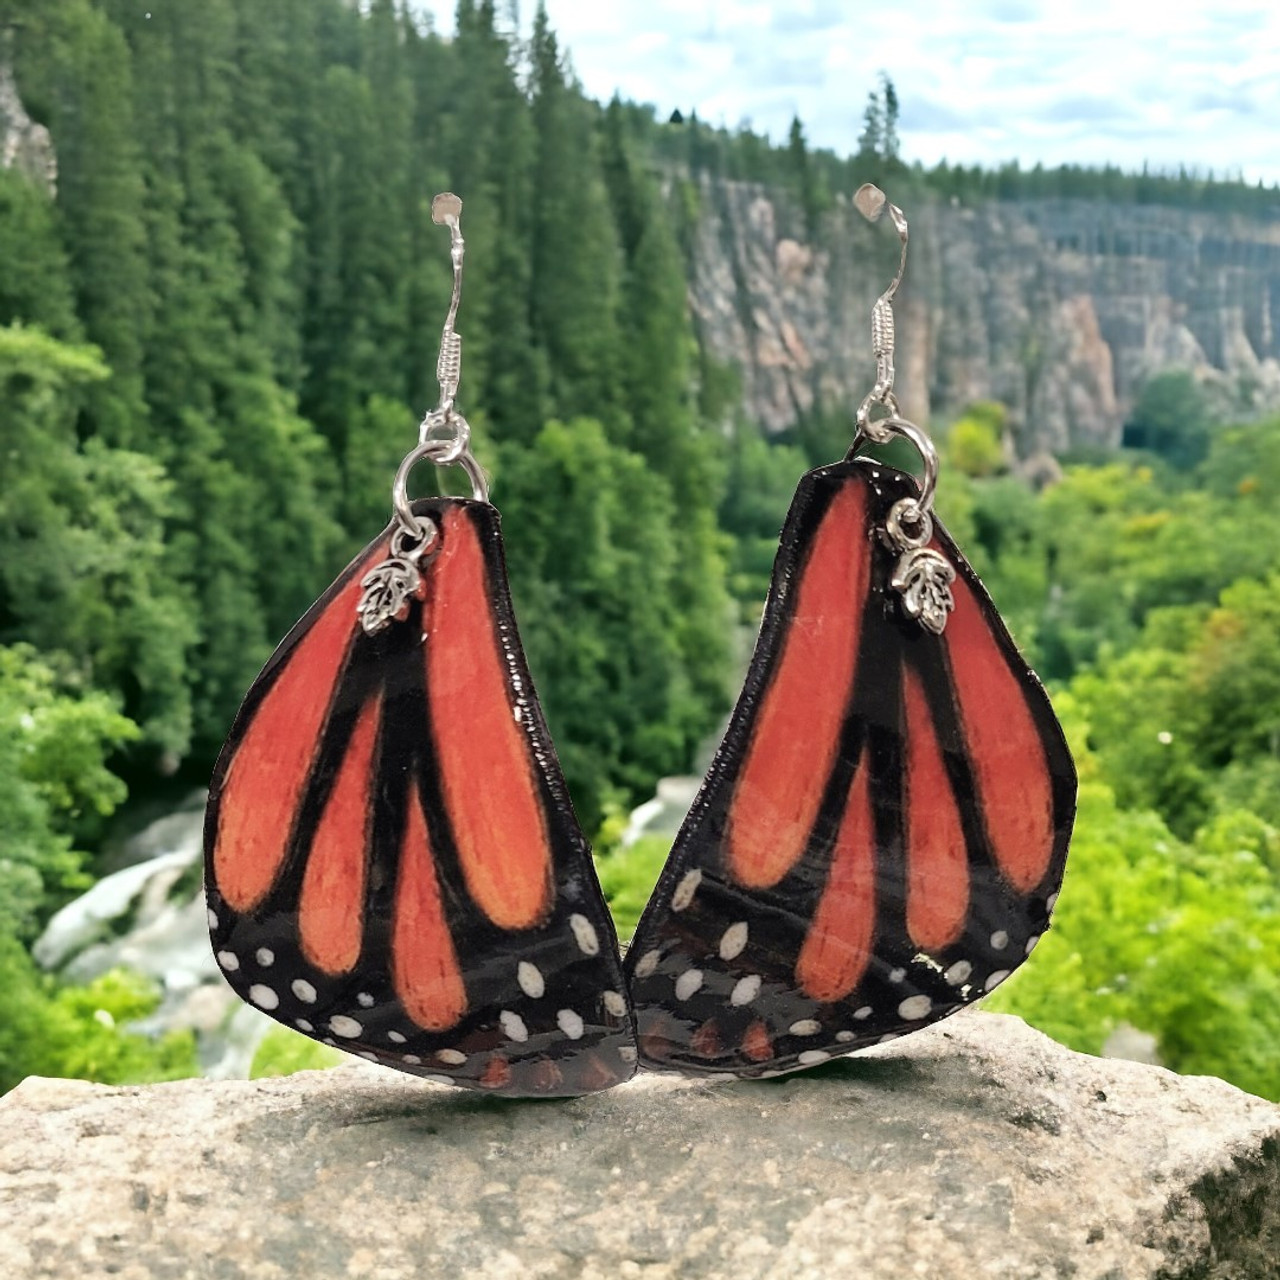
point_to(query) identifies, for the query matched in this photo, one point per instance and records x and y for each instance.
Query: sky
(980, 81)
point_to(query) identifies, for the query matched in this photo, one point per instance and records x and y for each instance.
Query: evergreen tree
(574, 282)
(889, 146)
(802, 176)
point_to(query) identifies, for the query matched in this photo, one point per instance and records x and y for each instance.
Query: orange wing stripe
(837, 948)
(330, 909)
(486, 772)
(1014, 787)
(797, 734)
(269, 769)
(937, 858)
(424, 965)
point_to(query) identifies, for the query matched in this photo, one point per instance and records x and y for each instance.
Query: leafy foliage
(54, 1030)
(53, 783)
(282, 1052)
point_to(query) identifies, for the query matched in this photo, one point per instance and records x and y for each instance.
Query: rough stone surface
(1060, 309)
(24, 145)
(977, 1148)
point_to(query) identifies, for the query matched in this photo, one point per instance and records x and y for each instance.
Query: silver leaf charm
(924, 579)
(388, 589)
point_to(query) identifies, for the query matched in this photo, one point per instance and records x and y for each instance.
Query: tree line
(221, 333)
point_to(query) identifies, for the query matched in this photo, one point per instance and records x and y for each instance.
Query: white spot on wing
(395, 1037)
(685, 890)
(1050, 902)
(303, 990)
(746, 990)
(266, 957)
(513, 1026)
(585, 932)
(958, 973)
(915, 1007)
(412, 1059)
(451, 1057)
(863, 1013)
(570, 1023)
(364, 1000)
(687, 983)
(615, 1004)
(811, 1057)
(264, 997)
(844, 1036)
(805, 1027)
(213, 918)
(734, 941)
(999, 940)
(303, 1025)
(347, 1028)
(627, 1052)
(995, 979)
(897, 975)
(1031, 943)
(229, 961)
(648, 963)
(529, 976)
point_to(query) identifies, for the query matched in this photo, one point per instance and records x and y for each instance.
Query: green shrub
(50, 1029)
(282, 1052)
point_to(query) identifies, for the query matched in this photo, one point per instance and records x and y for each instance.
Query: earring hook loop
(922, 576)
(871, 202)
(444, 435)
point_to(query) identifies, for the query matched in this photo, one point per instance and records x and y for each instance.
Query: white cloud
(1089, 82)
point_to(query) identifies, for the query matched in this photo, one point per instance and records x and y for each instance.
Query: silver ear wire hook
(444, 437)
(446, 211)
(922, 576)
(871, 202)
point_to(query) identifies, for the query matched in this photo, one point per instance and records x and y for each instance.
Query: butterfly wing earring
(883, 831)
(393, 865)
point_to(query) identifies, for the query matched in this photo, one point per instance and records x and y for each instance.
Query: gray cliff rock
(1059, 308)
(975, 1148)
(24, 145)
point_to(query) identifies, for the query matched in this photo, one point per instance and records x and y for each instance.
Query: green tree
(592, 562)
(35, 285)
(974, 440)
(76, 70)
(575, 279)
(53, 784)
(84, 569)
(1171, 419)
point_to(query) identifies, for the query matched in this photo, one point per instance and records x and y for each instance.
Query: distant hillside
(1059, 307)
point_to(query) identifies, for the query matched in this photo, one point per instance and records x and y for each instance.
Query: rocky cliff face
(24, 145)
(1058, 308)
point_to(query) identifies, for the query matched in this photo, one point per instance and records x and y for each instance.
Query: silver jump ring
(869, 426)
(904, 512)
(442, 453)
(924, 446)
(445, 426)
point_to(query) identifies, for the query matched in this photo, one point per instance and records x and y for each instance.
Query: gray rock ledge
(978, 1148)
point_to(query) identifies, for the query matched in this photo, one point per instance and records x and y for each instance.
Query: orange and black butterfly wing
(883, 830)
(393, 865)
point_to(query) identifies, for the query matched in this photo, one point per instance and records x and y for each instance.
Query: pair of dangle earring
(393, 864)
